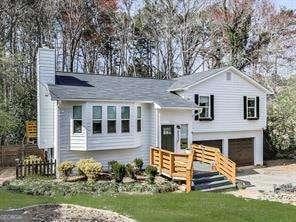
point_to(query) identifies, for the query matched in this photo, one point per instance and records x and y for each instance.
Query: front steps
(211, 181)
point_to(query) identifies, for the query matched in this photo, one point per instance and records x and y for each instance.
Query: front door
(167, 137)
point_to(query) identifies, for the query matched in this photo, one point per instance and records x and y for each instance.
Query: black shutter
(196, 100)
(212, 107)
(245, 107)
(257, 107)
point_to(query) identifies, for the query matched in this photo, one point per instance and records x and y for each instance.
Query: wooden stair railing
(212, 155)
(179, 166)
(174, 165)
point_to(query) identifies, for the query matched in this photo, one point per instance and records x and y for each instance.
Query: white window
(139, 119)
(111, 119)
(125, 119)
(97, 119)
(77, 119)
(204, 103)
(184, 136)
(251, 107)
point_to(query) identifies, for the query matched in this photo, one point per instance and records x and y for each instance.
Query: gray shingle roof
(71, 86)
(184, 81)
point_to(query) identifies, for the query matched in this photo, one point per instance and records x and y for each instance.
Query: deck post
(160, 161)
(172, 159)
(151, 156)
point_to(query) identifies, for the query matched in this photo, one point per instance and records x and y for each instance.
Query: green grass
(195, 206)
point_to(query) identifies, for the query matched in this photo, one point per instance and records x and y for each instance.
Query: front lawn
(195, 206)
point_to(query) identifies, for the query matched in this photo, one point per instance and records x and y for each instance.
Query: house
(119, 118)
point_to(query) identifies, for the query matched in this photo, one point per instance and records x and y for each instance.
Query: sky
(290, 4)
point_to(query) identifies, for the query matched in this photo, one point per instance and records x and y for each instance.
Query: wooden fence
(213, 156)
(36, 169)
(8, 154)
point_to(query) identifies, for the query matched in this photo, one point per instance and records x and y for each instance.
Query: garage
(211, 143)
(241, 151)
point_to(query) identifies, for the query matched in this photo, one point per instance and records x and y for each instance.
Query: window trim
(254, 107)
(94, 119)
(139, 118)
(122, 119)
(74, 119)
(184, 124)
(209, 107)
(112, 120)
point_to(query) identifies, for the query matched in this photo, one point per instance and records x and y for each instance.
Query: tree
(282, 121)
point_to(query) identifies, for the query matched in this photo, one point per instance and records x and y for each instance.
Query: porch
(202, 163)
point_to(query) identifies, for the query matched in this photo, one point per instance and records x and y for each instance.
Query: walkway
(6, 174)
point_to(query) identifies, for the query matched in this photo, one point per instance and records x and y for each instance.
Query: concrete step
(207, 179)
(212, 184)
(200, 174)
(219, 189)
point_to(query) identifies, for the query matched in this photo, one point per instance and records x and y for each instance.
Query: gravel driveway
(263, 179)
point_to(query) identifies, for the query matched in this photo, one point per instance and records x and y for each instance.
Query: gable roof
(182, 82)
(73, 86)
(185, 82)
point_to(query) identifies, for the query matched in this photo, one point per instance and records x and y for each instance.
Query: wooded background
(150, 38)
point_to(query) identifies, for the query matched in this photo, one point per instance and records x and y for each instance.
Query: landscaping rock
(63, 212)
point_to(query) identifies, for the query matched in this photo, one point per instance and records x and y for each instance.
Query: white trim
(56, 151)
(107, 118)
(72, 118)
(238, 72)
(129, 120)
(209, 107)
(255, 107)
(92, 119)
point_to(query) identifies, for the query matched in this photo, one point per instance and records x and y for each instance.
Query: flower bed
(48, 187)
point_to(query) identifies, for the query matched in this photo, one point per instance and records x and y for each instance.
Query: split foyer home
(119, 118)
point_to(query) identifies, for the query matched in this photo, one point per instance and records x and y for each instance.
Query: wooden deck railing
(221, 163)
(179, 166)
(174, 165)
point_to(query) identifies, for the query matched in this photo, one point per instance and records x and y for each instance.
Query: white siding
(176, 117)
(228, 96)
(45, 107)
(105, 147)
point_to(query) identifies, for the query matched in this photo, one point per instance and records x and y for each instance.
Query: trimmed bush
(151, 171)
(90, 168)
(130, 170)
(66, 168)
(119, 172)
(138, 164)
(32, 159)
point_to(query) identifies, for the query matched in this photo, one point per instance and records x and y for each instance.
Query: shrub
(82, 163)
(90, 168)
(139, 163)
(119, 172)
(66, 168)
(151, 171)
(110, 165)
(32, 159)
(130, 170)
(48, 187)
